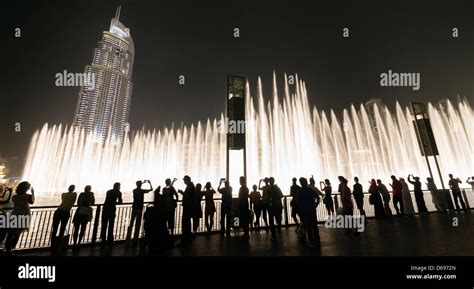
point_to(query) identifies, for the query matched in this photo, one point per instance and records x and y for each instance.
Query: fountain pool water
(286, 137)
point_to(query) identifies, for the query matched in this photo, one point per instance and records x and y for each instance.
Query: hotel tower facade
(103, 107)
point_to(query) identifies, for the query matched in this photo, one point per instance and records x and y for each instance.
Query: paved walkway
(425, 235)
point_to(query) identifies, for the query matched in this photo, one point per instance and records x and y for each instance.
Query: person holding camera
(137, 209)
(226, 206)
(327, 200)
(210, 209)
(170, 198)
(420, 201)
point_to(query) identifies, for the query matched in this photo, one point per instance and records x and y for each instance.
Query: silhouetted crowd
(242, 213)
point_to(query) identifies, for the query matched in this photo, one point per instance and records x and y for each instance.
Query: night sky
(195, 38)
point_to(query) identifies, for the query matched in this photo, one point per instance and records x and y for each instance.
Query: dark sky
(195, 38)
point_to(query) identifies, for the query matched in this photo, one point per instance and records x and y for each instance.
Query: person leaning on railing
(62, 214)
(83, 215)
(112, 198)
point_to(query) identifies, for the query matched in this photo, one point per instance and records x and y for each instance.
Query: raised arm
(322, 185)
(32, 199)
(260, 184)
(151, 187)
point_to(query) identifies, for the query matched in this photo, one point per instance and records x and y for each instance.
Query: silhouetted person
(210, 209)
(62, 214)
(439, 199)
(407, 202)
(197, 214)
(188, 210)
(470, 181)
(256, 204)
(170, 198)
(375, 199)
(420, 201)
(397, 195)
(155, 225)
(137, 210)
(276, 208)
(226, 207)
(244, 214)
(83, 215)
(306, 199)
(454, 185)
(112, 198)
(265, 201)
(327, 200)
(346, 199)
(358, 194)
(385, 197)
(294, 205)
(312, 185)
(6, 206)
(21, 207)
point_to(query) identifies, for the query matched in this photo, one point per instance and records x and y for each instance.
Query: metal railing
(39, 233)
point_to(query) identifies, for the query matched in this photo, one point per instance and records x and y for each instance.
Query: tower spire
(117, 13)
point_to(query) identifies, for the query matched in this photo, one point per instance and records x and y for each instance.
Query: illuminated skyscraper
(104, 103)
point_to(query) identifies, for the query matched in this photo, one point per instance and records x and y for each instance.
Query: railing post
(336, 204)
(96, 224)
(466, 201)
(285, 198)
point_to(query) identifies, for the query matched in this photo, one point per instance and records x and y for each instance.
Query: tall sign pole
(425, 136)
(235, 120)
